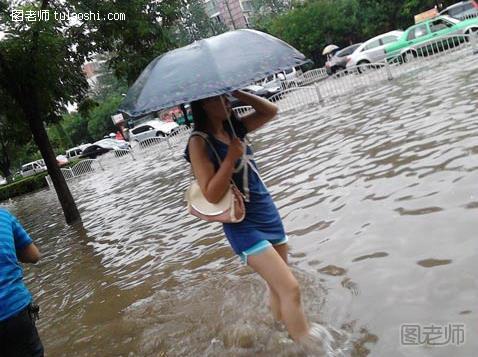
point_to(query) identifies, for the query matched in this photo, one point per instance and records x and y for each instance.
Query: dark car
(339, 60)
(93, 151)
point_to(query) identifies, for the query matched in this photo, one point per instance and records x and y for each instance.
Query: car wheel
(409, 56)
(160, 134)
(361, 66)
(471, 32)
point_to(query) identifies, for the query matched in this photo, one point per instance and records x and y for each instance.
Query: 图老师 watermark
(415, 334)
(20, 15)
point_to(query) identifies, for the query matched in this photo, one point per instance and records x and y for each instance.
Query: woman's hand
(264, 110)
(235, 150)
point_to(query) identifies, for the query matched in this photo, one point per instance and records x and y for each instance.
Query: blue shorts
(260, 247)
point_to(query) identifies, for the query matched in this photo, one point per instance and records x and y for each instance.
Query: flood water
(379, 198)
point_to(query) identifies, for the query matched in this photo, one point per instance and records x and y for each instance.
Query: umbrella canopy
(330, 48)
(207, 68)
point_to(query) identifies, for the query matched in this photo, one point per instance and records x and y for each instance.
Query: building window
(210, 7)
(246, 5)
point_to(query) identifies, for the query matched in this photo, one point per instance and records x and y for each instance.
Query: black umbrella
(207, 68)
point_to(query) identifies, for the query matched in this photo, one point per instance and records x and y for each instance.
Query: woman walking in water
(260, 239)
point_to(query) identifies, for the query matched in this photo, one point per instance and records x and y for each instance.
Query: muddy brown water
(379, 197)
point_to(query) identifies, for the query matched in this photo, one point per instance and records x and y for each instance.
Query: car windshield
(389, 39)
(348, 50)
(450, 19)
(439, 24)
(458, 10)
(417, 32)
(371, 45)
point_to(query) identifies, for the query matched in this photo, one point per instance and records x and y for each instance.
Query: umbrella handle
(228, 117)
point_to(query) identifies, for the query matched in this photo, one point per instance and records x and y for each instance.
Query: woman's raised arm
(263, 110)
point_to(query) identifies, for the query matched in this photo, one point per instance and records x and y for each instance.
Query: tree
(194, 24)
(311, 26)
(265, 11)
(99, 118)
(40, 73)
(76, 126)
(132, 43)
(12, 136)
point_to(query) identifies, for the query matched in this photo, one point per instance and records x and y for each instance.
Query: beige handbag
(230, 209)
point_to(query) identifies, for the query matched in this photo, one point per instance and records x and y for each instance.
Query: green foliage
(194, 24)
(54, 78)
(76, 126)
(313, 25)
(14, 134)
(99, 119)
(23, 186)
(133, 42)
(59, 138)
(264, 11)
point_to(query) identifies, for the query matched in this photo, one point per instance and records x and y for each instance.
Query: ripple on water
(430, 263)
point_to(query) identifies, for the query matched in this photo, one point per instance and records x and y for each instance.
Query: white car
(373, 50)
(462, 10)
(32, 168)
(274, 83)
(151, 129)
(73, 152)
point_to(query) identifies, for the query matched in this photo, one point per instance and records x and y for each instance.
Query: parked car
(339, 60)
(93, 151)
(111, 144)
(419, 37)
(373, 50)
(73, 153)
(253, 89)
(151, 129)
(33, 168)
(272, 83)
(462, 10)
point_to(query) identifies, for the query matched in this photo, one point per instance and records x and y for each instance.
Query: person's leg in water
(274, 303)
(274, 270)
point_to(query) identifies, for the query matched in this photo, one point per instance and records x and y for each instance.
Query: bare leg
(274, 304)
(277, 274)
(282, 250)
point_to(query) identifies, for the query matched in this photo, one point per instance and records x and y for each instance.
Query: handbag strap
(206, 139)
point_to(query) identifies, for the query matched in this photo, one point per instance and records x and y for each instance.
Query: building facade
(235, 14)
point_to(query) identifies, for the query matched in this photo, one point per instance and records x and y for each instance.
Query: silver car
(151, 129)
(373, 50)
(462, 10)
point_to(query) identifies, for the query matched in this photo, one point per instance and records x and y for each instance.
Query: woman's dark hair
(200, 117)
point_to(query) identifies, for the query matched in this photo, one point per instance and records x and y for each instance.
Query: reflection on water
(378, 196)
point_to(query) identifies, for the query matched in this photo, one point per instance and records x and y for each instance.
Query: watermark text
(432, 335)
(20, 15)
